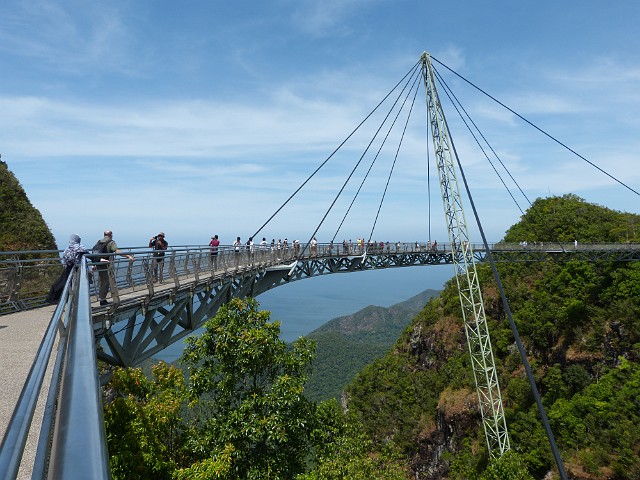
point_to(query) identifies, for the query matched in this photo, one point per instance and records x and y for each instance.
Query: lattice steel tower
(473, 315)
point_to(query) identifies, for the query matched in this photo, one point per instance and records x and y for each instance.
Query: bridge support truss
(473, 315)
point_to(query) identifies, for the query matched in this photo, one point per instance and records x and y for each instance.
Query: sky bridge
(145, 316)
(158, 298)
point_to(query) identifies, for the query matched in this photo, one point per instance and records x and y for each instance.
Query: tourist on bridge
(214, 244)
(70, 258)
(159, 245)
(263, 247)
(106, 245)
(237, 245)
(250, 248)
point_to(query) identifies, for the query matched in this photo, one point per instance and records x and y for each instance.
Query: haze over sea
(305, 305)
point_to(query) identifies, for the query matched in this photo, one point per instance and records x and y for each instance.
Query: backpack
(98, 248)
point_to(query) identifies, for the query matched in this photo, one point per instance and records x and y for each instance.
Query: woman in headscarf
(70, 258)
(74, 251)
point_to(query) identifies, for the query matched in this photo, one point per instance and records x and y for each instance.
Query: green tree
(345, 452)
(144, 424)
(509, 466)
(247, 389)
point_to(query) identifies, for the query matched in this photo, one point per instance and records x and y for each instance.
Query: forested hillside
(344, 345)
(580, 323)
(241, 411)
(21, 224)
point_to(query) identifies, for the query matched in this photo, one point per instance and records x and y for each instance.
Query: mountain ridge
(345, 344)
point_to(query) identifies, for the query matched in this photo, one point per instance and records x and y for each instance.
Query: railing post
(113, 286)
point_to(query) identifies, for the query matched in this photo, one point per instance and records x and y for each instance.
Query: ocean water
(304, 305)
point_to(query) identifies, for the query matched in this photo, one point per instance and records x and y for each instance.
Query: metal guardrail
(25, 276)
(72, 443)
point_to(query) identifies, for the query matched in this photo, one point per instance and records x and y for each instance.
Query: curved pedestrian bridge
(145, 316)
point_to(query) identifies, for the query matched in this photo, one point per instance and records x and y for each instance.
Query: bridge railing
(25, 276)
(72, 442)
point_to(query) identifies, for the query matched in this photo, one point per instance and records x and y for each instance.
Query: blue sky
(202, 117)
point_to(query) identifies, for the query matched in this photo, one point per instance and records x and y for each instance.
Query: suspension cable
(376, 157)
(449, 91)
(457, 103)
(346, 182)
(404, 130)
(514, 328)
(450, 94)
(537, 128)
(410, 72)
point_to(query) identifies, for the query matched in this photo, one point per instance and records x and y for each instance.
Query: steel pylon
(473, 315)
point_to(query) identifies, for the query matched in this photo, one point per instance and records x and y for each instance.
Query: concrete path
(20, 337)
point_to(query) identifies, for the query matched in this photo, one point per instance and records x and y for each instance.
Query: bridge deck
(20, 337)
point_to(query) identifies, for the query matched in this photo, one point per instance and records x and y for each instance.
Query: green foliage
(345, 452)
(569, 217)
(21, 224)
(579, 321)
(509, 466)
(391, 400)
(143, 423)
(339, 358)
(248, 387)
(346, 344)
(601, 424)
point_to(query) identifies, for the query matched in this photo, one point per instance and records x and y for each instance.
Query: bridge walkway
(20, 336)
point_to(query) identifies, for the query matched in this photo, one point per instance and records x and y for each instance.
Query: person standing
(159, 245)
(263, 247)
(214, 244)
(70, 258)
(250, 249)
(106, 245)
(237, 245)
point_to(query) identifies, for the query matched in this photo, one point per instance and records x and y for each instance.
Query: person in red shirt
(214, 244)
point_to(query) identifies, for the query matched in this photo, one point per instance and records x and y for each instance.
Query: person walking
(106, 246)
(159, 245)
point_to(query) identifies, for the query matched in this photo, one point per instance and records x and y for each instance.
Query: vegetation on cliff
(346, 344)
(413, 413)
(21, 224)
(580, 323)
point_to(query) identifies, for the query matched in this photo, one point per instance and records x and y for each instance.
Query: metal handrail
(17, 269)
(79, 447)
(78, 443)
